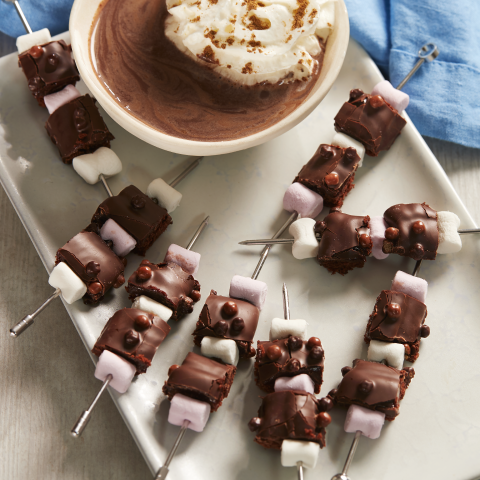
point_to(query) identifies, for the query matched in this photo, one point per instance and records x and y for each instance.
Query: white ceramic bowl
(81, 20)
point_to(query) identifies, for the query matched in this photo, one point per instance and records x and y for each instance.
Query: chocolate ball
(131, 338)
(274, 352)
(36, 51)
(238, 324)
(350, 153)
(418, 251)
(195, 295)
(418, 227)
(323, 419)
(376, 101)
(138, 202)
(365, 387)
(95, 288)
(354, 94)
(365, 241)
(326, 152)
(119, 281)
(172, 369)
(254, 424)
(295, 343)
(53, 60)
(345, 370)
(314, 342)
(394, 310)
(221, 328)
(230, 309)
(332, 179)
(392, 233)
(92, 269)
(332, 393)
(424, 331)
(145, 262)
(144, 273)
(293, 365)
(316, 353)
(325, 404)
(142, 322)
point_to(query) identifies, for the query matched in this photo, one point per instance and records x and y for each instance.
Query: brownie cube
(48, 68)
(94, 262)
(77, 128)
(412, 231)
(225, 317)
(374, 386)
(398, 318)
(345, 243)
(137, 214)
(166, 283)
(330, 173)
(200, 378)
(370, 120)
(289, 357)
(134, 335)
(289, 415)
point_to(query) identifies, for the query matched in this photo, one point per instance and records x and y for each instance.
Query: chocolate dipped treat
(412, 231)
(345, 242)
(77, 128)
(134, 335)
(94, 263)
(374, 386)
(225, 317)
(200, 378)
(398, 318)
(166, 283)
(370, 120)
(289, 415)
(137, 214)
(289, 357)
(330, 173)
(48, 68)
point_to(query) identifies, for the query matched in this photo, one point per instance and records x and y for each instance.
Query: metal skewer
(21, 15)
(86, 414)
(28, 320)
(428, 52)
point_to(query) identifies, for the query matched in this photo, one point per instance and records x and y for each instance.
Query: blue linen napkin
(444, 94)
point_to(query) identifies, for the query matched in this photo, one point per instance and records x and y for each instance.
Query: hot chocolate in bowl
(173, 102)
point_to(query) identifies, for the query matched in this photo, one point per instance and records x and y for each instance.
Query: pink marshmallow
(123, 243)
(187, 259)
(369, 422)
(396, 98)
(299, 382)
(298, 198)
(377, 234)
(253, 291)
(414, 286)
(185, 408)
(57, 99)
(120, 369)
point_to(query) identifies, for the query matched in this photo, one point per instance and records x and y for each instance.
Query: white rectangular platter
(438, 431)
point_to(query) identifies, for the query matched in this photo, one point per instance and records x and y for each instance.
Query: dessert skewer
(153, 219)
(121, 368)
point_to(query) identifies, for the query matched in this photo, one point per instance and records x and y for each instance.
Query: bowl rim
(80, 26)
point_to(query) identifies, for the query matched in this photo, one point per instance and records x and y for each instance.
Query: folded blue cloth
(444, 94)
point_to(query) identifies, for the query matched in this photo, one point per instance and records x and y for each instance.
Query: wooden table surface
(47, 376)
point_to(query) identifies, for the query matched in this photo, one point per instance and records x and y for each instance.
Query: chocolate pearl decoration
(95, 288)
(254, 424)
(36, 51)
(172, 369)
(365, 387)
(365, 241)
(230, 309)
(142, 322)
(376, 101)
(92, 268)
(345, 370)
(195, 295)
(53, 60)
(144, 273)
(137, 202)
(333, 393)
(316, 353)
(354, 94)
(393, 310)
(392, 233)
(293, 365)
(145, 262)
(418, 227)
(325, 404)
(131, 338)
(323, 419)
(274, 352)
(424, 331)
(418, 251)
(295, 343)
(119, 281)
(326, 152)
(314, 342)
(238, 324)
(350, 153)
(332, 179)
(221, 328)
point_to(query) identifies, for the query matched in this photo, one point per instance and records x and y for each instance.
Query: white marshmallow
(166, 196)
(57, 99)
(222, 348)
(414, 286)
(187, 259)
(377, 234)
(298, 382)
(26, 42)
(392, 353)
(123, 243)
(120, 369)
(102, 161)
(283, 328)
(449, 240)
(68, 282)
(369, 422)
(294, 451)
(396, 98)
(299, 198)
(151, 306)
(344, 141)
(306, 243)
(185, 408)
(253, 291)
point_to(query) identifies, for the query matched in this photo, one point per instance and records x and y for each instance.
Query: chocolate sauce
(162, 87)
